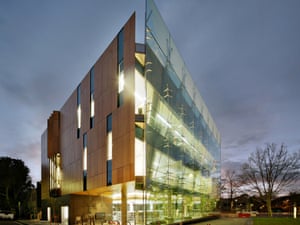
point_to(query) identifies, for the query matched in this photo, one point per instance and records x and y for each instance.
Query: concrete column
(124, 204)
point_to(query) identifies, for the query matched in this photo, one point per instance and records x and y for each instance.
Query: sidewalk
(228, 221)
(221, 221)
(35, 222)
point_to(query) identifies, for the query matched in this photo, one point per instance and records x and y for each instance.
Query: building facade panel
(106, 80)
(53, 134)
(68, 130)
(70, 146)
(85, 104)
(45, 166)
(122, 162)
(80, 162)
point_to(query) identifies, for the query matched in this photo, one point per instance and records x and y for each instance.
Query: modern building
(134, 143)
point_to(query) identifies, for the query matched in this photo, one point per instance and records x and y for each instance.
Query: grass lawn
(275, 221)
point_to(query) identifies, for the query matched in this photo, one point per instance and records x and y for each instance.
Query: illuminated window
(55, 174)
(140, 158)
(84, 161)
(109, 145)
(78, 112)
(65, 215)
(109, 149)
(121, 76)
(139, 93)
(92, 101)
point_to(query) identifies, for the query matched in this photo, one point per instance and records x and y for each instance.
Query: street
(24, 222)
(8, 222)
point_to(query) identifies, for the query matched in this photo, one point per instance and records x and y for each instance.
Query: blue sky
(243, 56)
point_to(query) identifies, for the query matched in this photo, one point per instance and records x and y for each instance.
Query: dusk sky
(244, 57)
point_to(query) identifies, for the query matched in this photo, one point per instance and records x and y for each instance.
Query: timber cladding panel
(45, 166)
(71, 147)
(124, 117)
(53, 134)
(123, 125)
(85, 105)
(68, 131)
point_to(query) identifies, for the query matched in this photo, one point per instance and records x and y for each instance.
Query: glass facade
(182, 141)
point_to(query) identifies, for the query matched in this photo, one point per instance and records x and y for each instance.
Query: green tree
(269, 171)
(15, 183)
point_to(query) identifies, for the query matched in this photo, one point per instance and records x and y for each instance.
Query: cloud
(231, 166)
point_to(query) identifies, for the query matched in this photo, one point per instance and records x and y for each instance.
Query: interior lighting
(140, 98)
(163, 120)
(85, 159)
(109, 146)
(121, 82)
(92, 106)
(58, 177)
(78, 116)
(116, 196)
(140, 166)
(65, 213)
(182, 138)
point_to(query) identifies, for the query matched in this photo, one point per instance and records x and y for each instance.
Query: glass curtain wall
(182, 141)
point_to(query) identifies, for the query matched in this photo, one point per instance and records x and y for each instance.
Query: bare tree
(270, 170)
(230, 183)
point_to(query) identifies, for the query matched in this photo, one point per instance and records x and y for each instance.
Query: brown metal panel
(71, 152)
(123, 117)
(45, 167)
(53, 128)
(105, 95)
(85, 104)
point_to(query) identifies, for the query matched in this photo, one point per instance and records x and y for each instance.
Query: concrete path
(222, 221)
(33, 222)
(228, 221)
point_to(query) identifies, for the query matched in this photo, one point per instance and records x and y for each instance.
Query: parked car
(6, 215)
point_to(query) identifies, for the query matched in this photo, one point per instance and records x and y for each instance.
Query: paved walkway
(228, 221)
(222, 221)
(33, 222)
